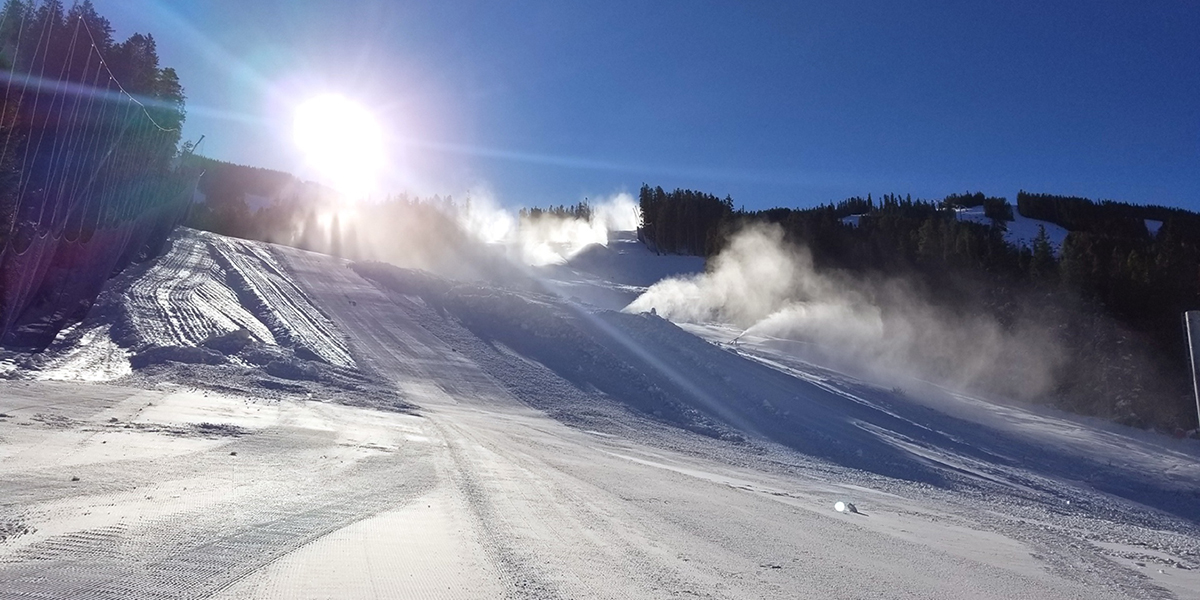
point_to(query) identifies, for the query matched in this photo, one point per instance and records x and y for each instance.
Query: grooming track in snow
(213, 285)
(185, 297)
(180, 307)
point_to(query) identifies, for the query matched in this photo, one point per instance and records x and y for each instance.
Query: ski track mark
(181, 301)
(282, 306)
(209, 285)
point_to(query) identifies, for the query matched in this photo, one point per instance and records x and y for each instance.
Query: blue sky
(776, 103)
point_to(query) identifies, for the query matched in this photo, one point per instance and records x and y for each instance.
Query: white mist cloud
(748, 281)
(879, 328)
(485, 220)
(618, 213)
(474, 238)
(546, 239)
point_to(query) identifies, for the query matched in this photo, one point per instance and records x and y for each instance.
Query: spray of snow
(485, 220)
(881, 328)
(546, 238)
(472, 239)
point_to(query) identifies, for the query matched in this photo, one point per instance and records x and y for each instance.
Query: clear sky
(776, 103)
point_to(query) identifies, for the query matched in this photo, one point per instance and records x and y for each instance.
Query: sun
(342, 141)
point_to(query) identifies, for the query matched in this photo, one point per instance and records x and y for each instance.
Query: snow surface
(421, 437)
(204, 288)
(1021, 231)
(614, 275)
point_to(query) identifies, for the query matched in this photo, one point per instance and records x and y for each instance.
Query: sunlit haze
(342, 142)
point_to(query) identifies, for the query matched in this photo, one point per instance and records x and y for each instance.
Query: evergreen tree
(1043, 265)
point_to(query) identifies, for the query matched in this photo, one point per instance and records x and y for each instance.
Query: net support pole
(1191, 321)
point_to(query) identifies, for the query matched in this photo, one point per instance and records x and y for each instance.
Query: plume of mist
(546, 238)
(476, 239)
(484, 219)
(877, 327)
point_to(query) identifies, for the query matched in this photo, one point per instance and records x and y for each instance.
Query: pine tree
(1042, 266)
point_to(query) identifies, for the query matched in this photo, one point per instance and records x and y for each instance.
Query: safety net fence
(91, 180)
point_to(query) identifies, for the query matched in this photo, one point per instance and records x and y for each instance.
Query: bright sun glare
(342, 141)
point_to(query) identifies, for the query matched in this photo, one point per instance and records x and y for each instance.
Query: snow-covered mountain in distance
(1022, 230)
(271, 422)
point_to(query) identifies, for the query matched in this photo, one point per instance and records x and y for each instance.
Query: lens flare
(342, 141)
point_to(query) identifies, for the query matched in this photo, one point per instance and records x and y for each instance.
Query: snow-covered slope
(1021, 231)
(612, 276)
(209, 285)
(220, 309)
(560, 450)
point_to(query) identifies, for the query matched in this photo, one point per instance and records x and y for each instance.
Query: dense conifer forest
(49, 48)
(252, 202)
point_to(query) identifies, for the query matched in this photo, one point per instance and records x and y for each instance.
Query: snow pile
(282, 307)
(184, 298)
(627, 261)
(209, 286)
(874, 327)
(213, 309)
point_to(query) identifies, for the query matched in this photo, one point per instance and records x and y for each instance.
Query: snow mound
(613, 275)
(209, 286)
(210, 298)
(184, 298)
(625, 260)
(212, 310)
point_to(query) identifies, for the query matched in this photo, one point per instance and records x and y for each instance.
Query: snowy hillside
(280, 423)
(1021, 231)
(611, 276)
